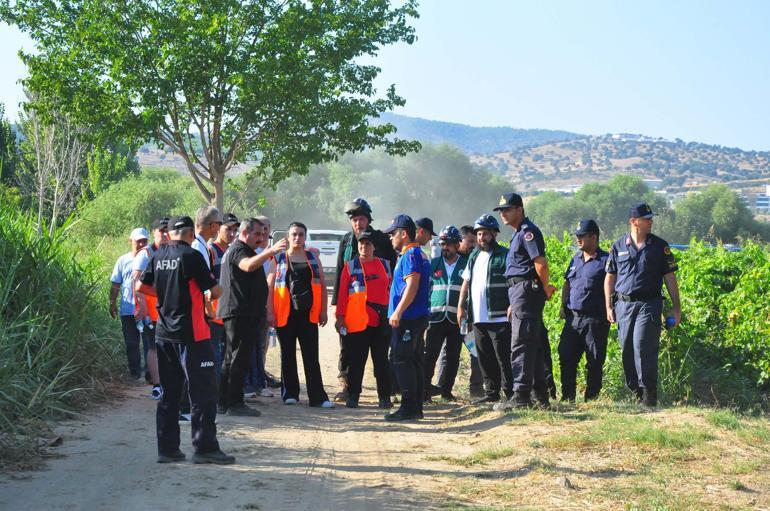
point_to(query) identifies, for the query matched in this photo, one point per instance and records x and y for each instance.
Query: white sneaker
(249, 394)
(266, 392)
(327, 404)
(185, 418)
(290, 401)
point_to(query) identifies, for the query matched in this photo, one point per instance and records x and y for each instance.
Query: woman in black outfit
(299, 300)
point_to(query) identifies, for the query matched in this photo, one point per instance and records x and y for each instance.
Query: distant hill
(673, 165)
(471, 139)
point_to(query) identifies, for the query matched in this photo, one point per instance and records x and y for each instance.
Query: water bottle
(407, 336)
(343, 331)
(464, 327)
(140, 326)
(272, 337)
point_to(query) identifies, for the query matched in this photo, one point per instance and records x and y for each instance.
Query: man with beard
(443, 328)
(484, 297)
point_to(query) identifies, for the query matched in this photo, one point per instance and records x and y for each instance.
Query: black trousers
(240, 341)
(550, 383)
(443, 334)
(476, 381)
(192, 363)
(493, 343)
(583, 334)
(131, 338)
(358, 346)
(406, 352)
(299, 328)
(343, 365)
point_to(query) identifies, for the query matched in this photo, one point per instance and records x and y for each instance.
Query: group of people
(211, 304)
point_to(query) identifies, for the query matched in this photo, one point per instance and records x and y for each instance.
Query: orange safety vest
(356, 316)
(151, 301)
(281, 298)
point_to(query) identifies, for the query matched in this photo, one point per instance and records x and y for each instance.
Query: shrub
(56, 339)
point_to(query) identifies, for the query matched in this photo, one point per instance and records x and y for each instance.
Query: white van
(327, 242)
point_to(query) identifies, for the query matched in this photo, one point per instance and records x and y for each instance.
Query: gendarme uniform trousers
(639, 306)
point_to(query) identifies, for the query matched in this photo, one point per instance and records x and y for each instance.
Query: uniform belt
(635, 297)
(586, 314)
(518, 280)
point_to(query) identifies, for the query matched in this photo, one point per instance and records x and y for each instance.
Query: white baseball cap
(140, 233)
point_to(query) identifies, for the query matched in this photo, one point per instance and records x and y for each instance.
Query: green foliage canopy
(277, 80)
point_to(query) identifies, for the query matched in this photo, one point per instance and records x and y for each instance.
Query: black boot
(542, 399)
(521, 399)
(650, 398)
(352, 401)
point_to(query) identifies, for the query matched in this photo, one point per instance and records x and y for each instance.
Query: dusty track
(293, 457)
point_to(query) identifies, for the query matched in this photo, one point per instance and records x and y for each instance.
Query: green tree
(107, 165)
(717, 212)
(8, 155)
(222, 81)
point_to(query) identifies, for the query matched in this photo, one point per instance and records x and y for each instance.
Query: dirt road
(292, 457)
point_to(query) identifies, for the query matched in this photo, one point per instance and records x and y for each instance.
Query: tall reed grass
(57, 342)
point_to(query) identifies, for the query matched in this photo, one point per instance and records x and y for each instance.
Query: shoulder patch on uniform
(529, 236)
(666, 250)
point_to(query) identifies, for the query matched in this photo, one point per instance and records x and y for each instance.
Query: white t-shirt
(479, 289)
(450, 268)
(199, 244)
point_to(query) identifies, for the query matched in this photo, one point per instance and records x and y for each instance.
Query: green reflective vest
(445, 292)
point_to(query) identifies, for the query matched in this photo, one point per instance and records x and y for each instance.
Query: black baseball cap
(586, 226)
(509, 200)
(400, 222)
(366, 235)
(180, 222)
(230, 219)
(641, 210)
(425, 223)
(160, 224)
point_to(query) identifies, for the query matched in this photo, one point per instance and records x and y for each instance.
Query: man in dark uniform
(637, 266)
(527, 274)
(360, 214)
(179, 277)
(586, 326)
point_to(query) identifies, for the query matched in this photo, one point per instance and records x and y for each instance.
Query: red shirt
(377, 289)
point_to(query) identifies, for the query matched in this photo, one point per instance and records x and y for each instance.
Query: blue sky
(696, 70)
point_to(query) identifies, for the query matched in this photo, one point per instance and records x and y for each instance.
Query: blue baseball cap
(400, 222)
(641, 210)
(586, 226)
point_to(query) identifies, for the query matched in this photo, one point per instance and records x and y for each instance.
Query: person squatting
(206, 294)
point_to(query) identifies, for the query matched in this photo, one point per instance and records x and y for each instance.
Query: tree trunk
(219, 190)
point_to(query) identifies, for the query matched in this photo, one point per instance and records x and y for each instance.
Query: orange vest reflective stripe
(281, 298)
(356, 315)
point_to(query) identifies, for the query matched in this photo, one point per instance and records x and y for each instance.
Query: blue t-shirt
(123, 274)
(411, 262)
